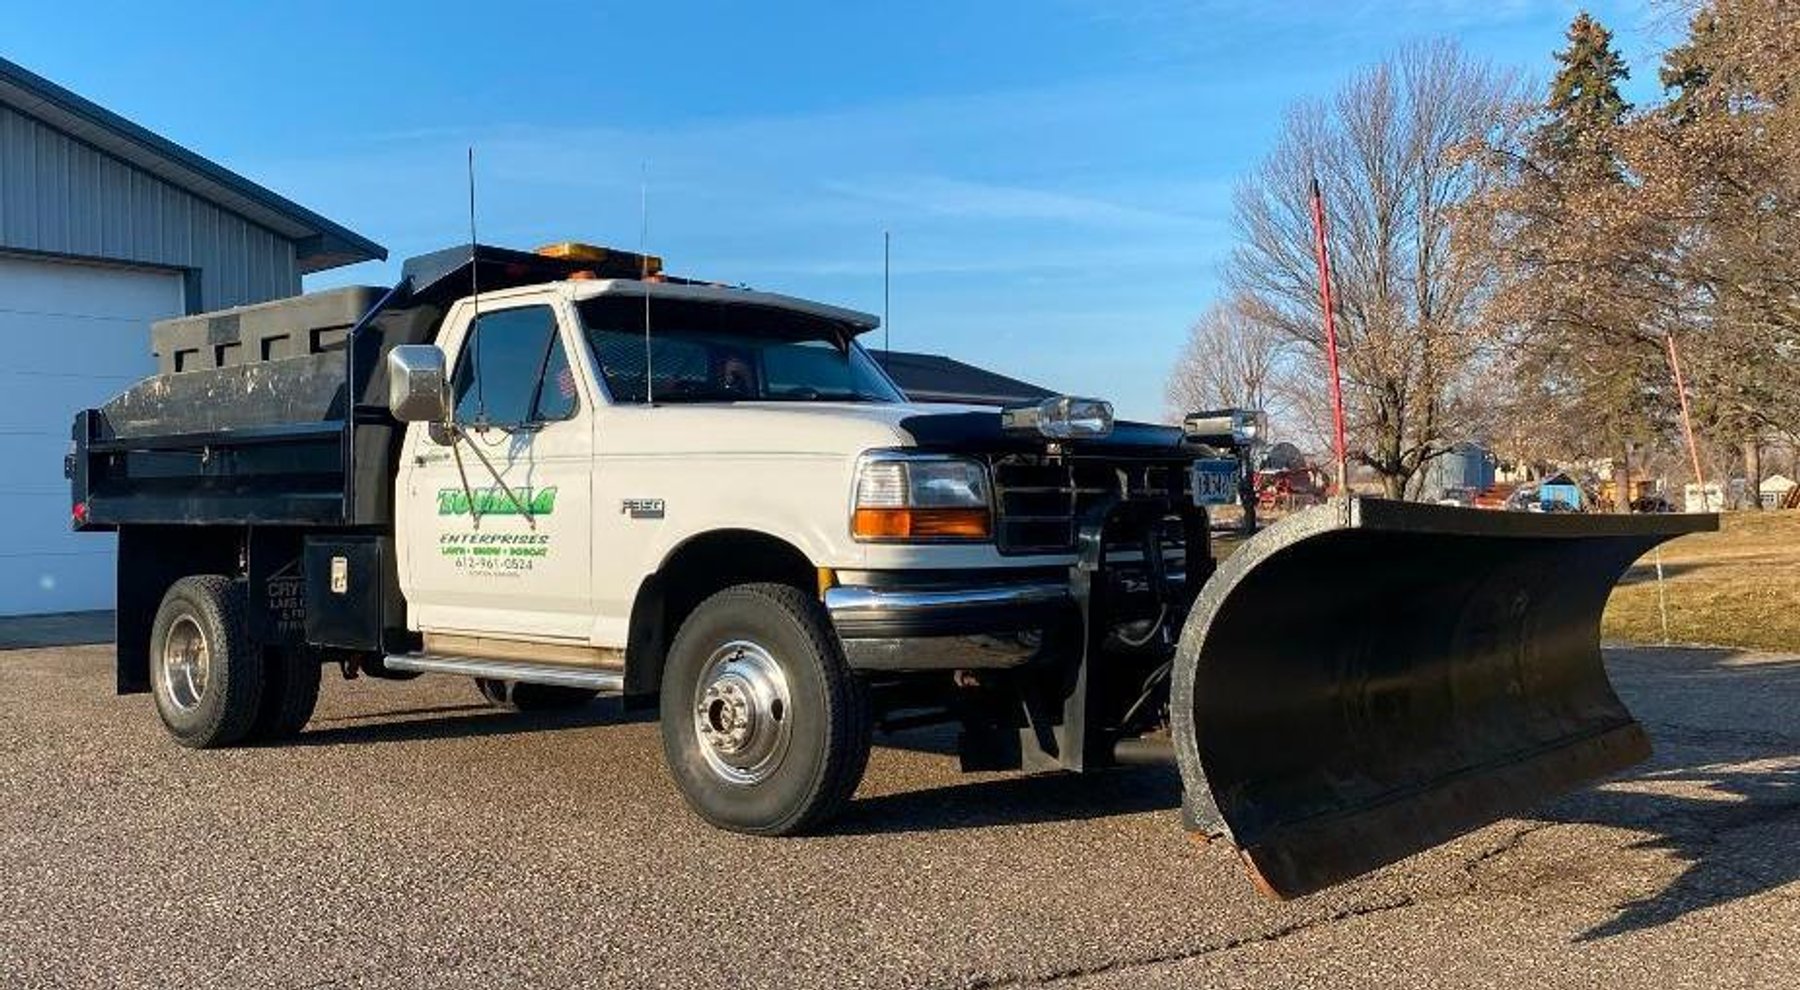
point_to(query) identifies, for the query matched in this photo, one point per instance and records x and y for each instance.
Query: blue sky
(1056, 175)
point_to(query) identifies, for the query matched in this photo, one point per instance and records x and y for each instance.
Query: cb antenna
(887, 327)
(475, 302)
(644, 274)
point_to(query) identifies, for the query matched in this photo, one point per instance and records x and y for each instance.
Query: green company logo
(496, 502)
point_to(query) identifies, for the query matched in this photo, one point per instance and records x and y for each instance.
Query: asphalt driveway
(416, 838)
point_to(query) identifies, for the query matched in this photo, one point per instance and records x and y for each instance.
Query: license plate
(1215, 482)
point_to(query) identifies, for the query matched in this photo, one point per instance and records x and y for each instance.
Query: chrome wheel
(742, 712)
(186, 661)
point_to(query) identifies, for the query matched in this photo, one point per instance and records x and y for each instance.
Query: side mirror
(418, 387)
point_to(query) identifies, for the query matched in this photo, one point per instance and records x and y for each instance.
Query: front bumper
(864, 612)
(950, 627)
(945, 628)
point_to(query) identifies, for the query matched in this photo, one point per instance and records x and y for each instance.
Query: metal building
(104, 227)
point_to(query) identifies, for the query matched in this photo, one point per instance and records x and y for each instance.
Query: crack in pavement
(1511, 842)
(1198, 952)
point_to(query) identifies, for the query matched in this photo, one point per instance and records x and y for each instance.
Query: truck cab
(594, 452)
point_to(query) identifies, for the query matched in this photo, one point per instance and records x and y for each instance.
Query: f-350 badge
(642, 508)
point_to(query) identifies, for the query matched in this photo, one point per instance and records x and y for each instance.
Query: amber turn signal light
(922, 524)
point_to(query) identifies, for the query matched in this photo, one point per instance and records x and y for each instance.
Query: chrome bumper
(864, 608)
(938, 628)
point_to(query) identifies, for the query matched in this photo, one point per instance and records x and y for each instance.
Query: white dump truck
(565, 473)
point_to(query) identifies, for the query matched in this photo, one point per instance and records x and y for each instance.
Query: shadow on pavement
(1642, 573)
(1734, 784)
(1700, 832)
(19, 632)
(1719, 786)
(407, 712)
(1020, 800)
(1719, 779)
(476, 720)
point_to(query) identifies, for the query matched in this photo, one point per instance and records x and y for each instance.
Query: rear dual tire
(211, 685)
(290, 693)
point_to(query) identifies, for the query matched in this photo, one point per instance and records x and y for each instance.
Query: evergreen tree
(1584, 353)
(1585, 107)
(1724, 162)
(1688, 67)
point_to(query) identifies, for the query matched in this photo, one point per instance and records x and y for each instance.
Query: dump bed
(276, 414)
(315, 323)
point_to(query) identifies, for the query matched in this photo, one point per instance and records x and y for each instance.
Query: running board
(509, 670)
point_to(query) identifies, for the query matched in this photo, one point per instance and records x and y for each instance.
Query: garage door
(71, 336)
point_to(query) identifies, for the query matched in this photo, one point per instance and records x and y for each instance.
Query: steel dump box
(315, 323)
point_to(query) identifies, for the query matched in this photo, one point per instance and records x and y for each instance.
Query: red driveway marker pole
(1687, 421)
(1331, 343)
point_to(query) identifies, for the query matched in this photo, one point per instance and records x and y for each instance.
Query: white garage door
(71, 336)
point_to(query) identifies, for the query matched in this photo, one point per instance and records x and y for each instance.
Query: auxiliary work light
(1063, 417)
(1224, 427)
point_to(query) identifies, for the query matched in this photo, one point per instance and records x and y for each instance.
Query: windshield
(702, 351)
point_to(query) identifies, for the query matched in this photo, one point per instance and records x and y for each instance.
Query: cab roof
(447, 275)
(852, 320)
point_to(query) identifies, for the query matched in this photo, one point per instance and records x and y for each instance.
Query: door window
(513, 370)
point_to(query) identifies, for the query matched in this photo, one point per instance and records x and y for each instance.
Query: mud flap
(1366, 679)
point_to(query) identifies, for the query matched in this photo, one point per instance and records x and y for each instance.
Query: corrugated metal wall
(60, 196)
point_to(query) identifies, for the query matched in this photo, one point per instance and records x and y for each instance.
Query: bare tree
(1229, 361)
(1390, 150)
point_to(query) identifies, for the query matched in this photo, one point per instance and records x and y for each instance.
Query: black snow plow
(1366, 679)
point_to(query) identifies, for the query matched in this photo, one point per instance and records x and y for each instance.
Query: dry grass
(1737, 587)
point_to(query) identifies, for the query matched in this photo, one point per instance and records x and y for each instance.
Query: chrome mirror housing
(418, 385)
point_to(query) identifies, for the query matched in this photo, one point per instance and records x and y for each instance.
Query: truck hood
(846, 428)
(831, 428)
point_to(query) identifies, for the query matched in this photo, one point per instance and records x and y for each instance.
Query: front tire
(765, 729)
(205, 676)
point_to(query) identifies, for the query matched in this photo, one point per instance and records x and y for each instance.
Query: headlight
(921, 498)
(1061, 418)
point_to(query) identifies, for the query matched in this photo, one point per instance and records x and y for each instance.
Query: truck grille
(1038, 502)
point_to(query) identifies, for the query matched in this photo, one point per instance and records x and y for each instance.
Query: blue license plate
(1215, 482)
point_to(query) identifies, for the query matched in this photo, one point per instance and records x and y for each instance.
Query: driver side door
(499, 522)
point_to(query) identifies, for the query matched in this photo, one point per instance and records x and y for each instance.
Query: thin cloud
(943, 196)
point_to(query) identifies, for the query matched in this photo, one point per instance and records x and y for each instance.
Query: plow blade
(1366, 679)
